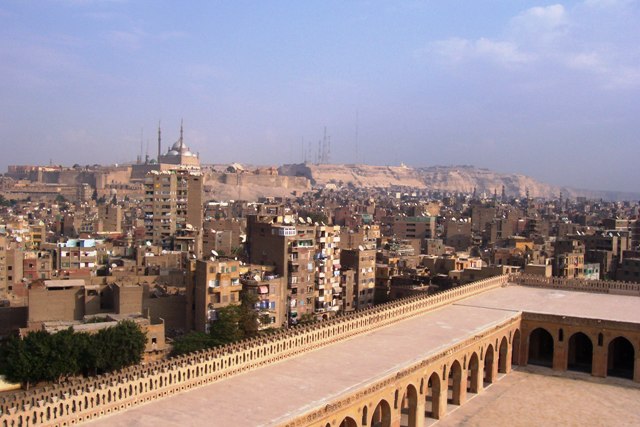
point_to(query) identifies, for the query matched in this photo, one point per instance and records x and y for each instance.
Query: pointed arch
(409, 407)
(488, 365)
(473, 374)
(454, 386)
(433, 405)
(515, 348)
(503, 356)
(541, 348)
(620, 358)
(580, 354)
(381, 416)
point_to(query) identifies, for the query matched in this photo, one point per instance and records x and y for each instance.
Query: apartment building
(217, 284)
(173, 210)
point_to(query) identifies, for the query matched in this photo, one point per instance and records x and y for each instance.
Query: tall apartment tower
(291, 249)
(328, 287)
(173, 210)
(363, 262)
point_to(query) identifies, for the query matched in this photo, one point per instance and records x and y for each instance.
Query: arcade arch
(540, 348)
(620, 358)
(381, 416)
(580, 353)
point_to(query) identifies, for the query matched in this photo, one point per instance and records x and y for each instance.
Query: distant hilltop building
(178, 156)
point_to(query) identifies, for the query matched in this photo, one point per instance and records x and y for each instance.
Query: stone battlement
(598, 286)
(85, 399)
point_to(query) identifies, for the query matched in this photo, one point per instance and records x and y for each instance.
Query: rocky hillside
(446, 178)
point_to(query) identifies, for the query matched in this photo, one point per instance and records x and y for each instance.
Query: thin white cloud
(607, 4)
(135, 39)
(458, 50)
(130, 39)
(551, 37)
(541, 19)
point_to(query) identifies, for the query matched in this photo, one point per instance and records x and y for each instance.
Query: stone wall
(85, 399)
(598, 286)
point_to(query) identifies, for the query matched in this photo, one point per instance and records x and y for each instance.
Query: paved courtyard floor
(535, 396)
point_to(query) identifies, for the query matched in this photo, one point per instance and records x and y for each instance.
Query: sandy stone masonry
(86, 399)
(598, 286)
(404, 397)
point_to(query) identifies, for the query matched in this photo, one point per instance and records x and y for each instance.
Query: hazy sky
(551, 90)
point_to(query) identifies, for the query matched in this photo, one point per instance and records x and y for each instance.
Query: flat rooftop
(277, 393)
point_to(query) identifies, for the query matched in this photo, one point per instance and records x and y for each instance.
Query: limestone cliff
(447, 178)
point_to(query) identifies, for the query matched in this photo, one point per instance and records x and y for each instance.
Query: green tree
(193, 341)
(63, 355)
(226, 329)
(248, 314)
(15, 363)
(307, 318)
(119, 346)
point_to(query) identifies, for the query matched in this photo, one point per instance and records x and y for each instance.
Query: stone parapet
(84, 399)
(583, 285)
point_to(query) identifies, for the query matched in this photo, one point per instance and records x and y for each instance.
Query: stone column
(479, 382)
(440, 407)
(559, 356)
(509, 355)
(599, 361)
(420, 411)
(463, 387)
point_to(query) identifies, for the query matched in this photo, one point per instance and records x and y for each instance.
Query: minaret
(159, 142)
(181, 140)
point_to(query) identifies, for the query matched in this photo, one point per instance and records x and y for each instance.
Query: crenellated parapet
(583, 285)
(84, 399)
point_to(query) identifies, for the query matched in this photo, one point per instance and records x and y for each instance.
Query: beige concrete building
(110, 219)
(363, 262)
(173, 210)
(414, 227)
(328, 292)
(291, 249)
(271, 292)
(217, 285)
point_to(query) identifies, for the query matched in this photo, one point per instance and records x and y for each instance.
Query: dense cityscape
(319, 214)
(142, 246)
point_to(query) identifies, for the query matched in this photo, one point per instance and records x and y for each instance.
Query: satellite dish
(361, 247)
(286, 220)
(214, 252)
(256, 277)
(148, 243)
(164, 252)
(114, 265)
(308, 220)
(212, 259)
(301, 220)
(18, 239)
(193, 256)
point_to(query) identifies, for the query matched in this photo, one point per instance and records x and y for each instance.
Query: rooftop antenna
(357, 118)
(159, 142)
(141, 145)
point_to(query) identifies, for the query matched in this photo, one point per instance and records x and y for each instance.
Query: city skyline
(553, 88)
